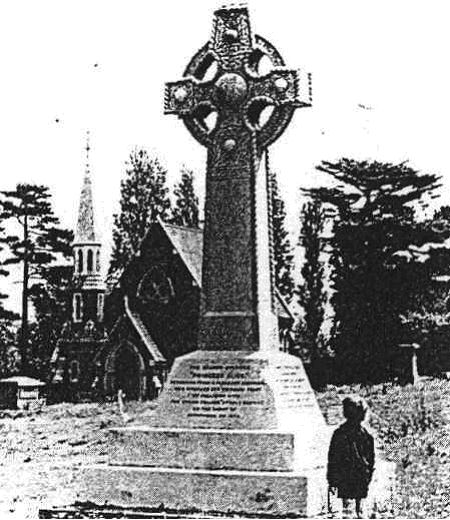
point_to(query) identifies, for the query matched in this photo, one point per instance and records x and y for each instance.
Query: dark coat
(351, 460)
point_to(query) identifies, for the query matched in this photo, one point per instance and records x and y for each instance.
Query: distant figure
(121, 402)
(351, 457)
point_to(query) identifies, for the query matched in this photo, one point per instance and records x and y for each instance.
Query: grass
(411, 426)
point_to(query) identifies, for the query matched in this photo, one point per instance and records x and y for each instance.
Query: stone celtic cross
(224, 78)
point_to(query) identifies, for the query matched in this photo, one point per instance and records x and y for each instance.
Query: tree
(52, 300)
(185, 211)
(311, 293)
(34, 242)
(9, 358)
(282, 249)
(5, 314)
(376, 277)
(144, 198)
(429, 322)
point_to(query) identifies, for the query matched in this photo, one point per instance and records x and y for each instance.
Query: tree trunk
(24, 328)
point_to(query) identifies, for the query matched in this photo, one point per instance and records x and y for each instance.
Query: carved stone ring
(225, 78)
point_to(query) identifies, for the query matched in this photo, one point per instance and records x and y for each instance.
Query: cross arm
(284, 87)
(185, 96)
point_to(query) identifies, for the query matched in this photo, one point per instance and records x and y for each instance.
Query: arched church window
(77, 307)
(74, 371)
(98, 261)
(156, 287)
(80, 261)
(90, 261)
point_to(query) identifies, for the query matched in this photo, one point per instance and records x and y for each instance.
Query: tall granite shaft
(237, 306)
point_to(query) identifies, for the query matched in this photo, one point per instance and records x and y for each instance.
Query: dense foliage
(144, 197)
(429, 322)
(185, 211)
(9, 354)
(282, 248)
(5, 314)
(311, 291)
(52, 300)
(376, 278)
(34, 240)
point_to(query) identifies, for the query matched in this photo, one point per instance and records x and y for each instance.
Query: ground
(42, 450)
(411, 425)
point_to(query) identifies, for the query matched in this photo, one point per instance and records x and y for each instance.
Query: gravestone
(237, 428)
(413, 374)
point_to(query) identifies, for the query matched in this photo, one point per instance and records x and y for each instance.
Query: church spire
(87, 256)
(85, 231)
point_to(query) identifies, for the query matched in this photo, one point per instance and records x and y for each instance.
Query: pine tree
(375, 278)
(144, 198)
(5, 314)
(282, 249)
(34, 242)
(311, 293)
(7, 338)
(185, 211)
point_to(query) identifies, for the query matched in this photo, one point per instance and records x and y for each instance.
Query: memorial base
(234, 433)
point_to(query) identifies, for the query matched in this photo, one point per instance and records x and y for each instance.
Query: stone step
(257, 450)
(233, 492)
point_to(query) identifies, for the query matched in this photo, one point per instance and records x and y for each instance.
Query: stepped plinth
(236, 432)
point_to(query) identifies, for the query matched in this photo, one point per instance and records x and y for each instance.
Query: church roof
(85, 231)
(282, 307)
(188, 243)
(143, 332)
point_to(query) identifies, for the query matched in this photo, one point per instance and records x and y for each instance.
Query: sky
(380, 90)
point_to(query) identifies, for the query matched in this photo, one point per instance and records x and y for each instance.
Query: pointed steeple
(87, 256)
(85, 231)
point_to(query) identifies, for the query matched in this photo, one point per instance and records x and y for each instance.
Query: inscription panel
(218, 390)
(239, 393)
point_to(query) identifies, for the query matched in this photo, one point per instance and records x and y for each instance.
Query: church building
(84, 333)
